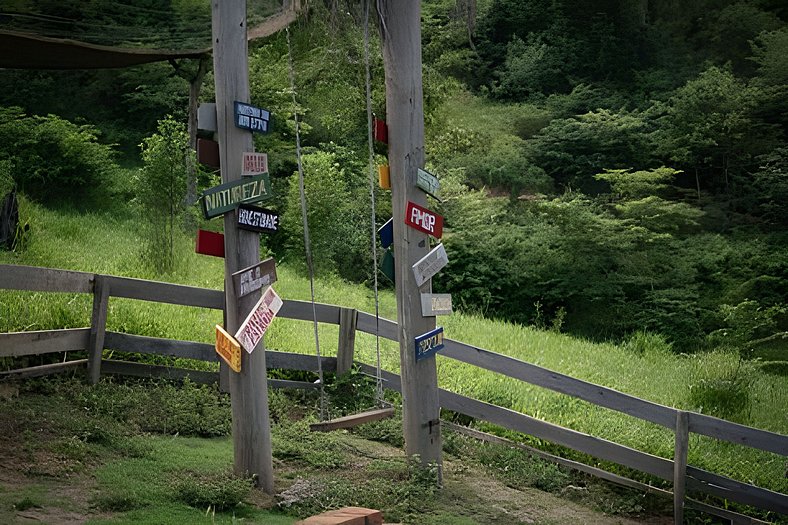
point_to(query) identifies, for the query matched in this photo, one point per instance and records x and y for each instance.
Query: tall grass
(109, 244)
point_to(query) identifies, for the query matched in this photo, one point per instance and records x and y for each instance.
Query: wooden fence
(95, 339)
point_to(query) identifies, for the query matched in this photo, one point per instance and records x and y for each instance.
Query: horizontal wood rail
(18, 344)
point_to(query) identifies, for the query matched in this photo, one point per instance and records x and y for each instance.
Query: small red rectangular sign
(210, 243)
(424, 220)
(380, 131)
(208, 152)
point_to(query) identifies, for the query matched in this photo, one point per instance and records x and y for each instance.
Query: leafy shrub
(51, 157)
(221, 492)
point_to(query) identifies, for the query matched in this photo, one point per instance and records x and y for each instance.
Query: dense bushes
(51, 157)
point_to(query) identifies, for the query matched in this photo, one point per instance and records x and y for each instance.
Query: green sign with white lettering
(225, 197)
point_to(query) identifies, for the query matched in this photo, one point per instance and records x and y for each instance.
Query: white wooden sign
(206, 117)
(253, 328)
(428, 183)
(430, 264)
(433, 304)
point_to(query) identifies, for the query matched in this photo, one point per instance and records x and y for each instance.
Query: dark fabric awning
(24, 51)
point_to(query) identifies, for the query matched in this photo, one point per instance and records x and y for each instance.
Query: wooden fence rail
(95, 339)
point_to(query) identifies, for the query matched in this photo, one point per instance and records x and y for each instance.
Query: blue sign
(428, 344)
(251, 118)
(386, 233)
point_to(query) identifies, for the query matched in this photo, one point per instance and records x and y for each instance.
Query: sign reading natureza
(226, 197)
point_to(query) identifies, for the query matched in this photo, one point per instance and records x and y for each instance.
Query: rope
(307, 243)
(372, 181)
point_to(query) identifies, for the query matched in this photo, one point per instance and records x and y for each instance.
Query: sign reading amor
(424, 220)
(428, 344)
(255, 277)
(225, 197)
(228, 348)
(254, 164)
(259, 319)
(430, 264)
(251, 118)
(257, 219)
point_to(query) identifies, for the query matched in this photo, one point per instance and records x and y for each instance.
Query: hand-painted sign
(228, 348)
(380, 131)
(259, 319)
(225, 197)
(210, 243)
(254, 164)
(387, 265)
(428, 183)
(251, 118)
(255, 277)
(435, 304)
(257, 219)
(430, 264)
(428, 344)
(208, 152)
(206, 117)
(424, 220)
(386, 233)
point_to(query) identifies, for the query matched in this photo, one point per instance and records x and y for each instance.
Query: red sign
(208, 152)
(210, 243)
(424, 220)
(380, 131)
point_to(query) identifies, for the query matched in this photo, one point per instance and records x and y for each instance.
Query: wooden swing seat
(352, 420)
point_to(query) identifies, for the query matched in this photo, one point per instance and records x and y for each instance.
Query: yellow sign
(228, 348)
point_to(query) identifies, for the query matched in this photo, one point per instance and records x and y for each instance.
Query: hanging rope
(372, 181)
(307, 243)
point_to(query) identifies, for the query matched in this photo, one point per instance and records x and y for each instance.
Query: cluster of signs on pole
(253, 186)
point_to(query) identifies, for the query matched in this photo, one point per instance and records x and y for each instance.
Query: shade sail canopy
(24, 51)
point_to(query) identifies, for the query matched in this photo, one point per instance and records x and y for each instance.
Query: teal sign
(226, 197)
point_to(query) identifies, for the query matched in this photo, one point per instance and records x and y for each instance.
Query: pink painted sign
(259, 319)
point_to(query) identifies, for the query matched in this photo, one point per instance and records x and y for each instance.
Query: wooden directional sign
(428, 344)
(424, 220)
(210, 243)
(430, 264)
(225, 197)
(435, 304)
(228, 348)
(259, 319)
(428, 183)
(206, 117)
(387, 265)
(380, 131)
(254, 164)
(251, 118)
(386, 233)
(257, 219)
(208, 152)
(255, 277)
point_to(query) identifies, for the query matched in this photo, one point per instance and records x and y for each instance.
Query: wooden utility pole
(249, 388)
(400, 28)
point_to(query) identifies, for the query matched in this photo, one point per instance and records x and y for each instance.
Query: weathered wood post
(348, 319)
(400, 29)
(98, 327)
(249, 388)
(680, 465)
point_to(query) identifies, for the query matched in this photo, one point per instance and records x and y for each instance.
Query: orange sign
(228, 348)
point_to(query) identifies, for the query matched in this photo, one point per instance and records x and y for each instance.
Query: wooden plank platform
(352, 420)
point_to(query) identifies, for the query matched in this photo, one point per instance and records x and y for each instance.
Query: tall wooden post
(248, 389)
(401, 35)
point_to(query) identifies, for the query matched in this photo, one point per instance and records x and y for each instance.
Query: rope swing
(307, 242)
(382, 411)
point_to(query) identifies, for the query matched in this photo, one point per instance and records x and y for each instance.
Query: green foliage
(160, 190)
(51, 157)
(219, 492)
(6, 180)
(628, 185)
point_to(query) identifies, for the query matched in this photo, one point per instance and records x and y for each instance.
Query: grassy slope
(103, 243)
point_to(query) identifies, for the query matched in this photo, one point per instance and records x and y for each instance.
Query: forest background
(612, 169)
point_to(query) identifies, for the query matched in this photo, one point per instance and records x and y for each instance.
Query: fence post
(98, 326)
(680, 465)
(348, 318)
